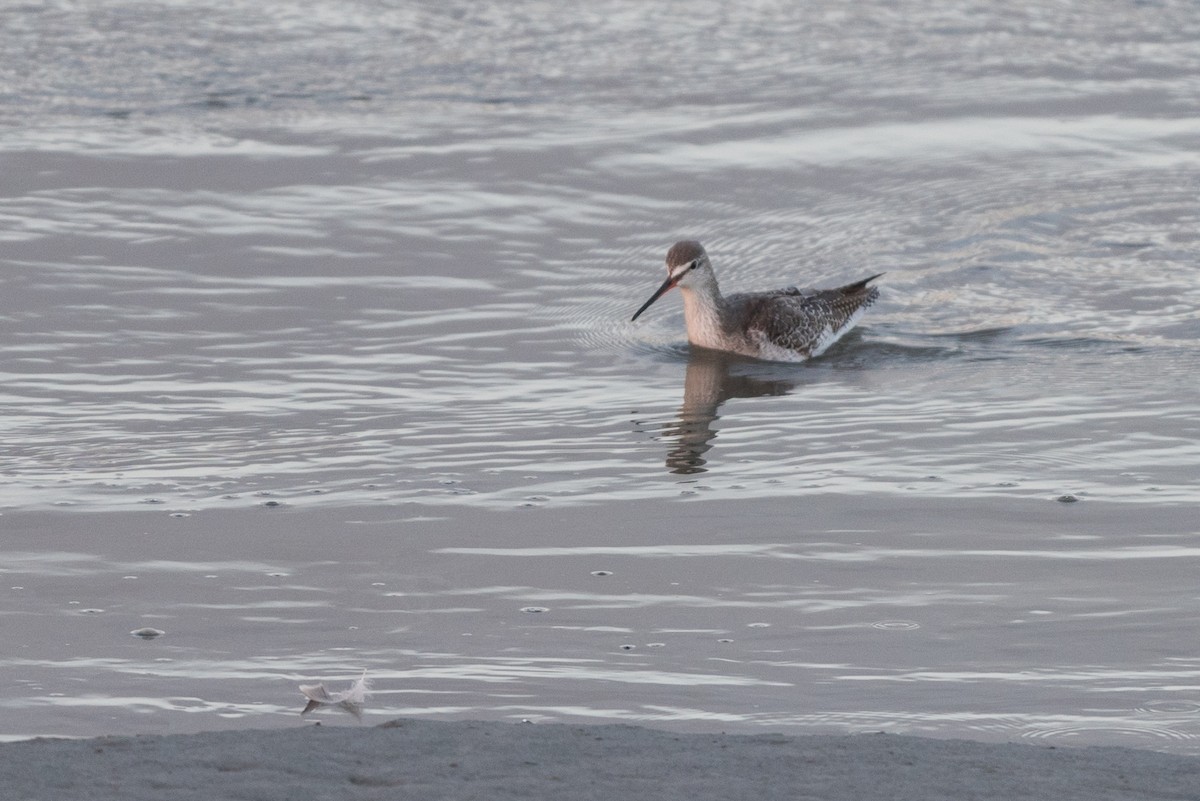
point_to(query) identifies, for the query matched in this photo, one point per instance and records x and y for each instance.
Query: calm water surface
(315, 354)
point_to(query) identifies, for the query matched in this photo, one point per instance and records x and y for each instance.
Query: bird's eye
(695, 264)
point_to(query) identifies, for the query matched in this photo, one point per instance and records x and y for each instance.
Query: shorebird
(782, 325)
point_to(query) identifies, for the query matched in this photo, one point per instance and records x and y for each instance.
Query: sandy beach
(487, 760)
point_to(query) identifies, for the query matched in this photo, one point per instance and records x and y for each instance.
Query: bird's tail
(858, 286)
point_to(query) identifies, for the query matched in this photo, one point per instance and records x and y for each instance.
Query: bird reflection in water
(712, 378)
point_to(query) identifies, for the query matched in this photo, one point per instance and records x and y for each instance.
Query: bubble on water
(534, 610)
(601, 572)
(895, 625)
(147, 633)
(1067, 498)
(628, 647)
(757, 625)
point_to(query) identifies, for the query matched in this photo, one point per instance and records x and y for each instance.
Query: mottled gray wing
(808, 320)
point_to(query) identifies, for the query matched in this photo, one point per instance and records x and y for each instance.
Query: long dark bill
(662, 290)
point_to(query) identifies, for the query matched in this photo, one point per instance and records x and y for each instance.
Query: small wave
(1116, 732)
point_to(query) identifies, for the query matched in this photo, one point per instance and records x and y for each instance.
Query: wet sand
(466, 759)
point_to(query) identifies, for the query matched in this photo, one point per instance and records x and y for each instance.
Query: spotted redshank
(782, 325)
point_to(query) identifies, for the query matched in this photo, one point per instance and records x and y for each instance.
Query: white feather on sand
(351, 699)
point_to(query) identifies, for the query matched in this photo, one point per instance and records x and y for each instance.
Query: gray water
(276, 275)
